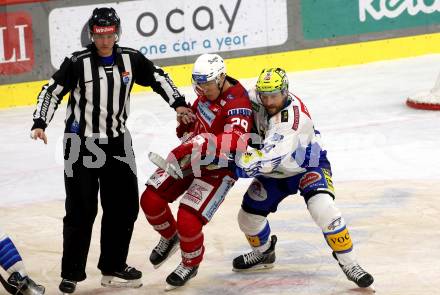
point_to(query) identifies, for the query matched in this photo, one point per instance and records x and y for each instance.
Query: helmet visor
(199, 79)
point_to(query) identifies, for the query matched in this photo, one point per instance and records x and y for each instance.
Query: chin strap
(221, 88)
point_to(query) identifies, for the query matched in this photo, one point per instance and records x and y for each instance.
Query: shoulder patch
(296, 118)
(277, 137)
(284, 116)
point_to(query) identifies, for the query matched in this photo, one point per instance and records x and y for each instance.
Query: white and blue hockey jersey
(290, 143)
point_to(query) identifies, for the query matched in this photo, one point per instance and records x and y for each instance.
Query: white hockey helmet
(208, 67)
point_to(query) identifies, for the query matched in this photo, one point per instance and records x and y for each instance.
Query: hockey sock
(189, 227)
(256, 229)
(323, 210)
(158, 213)
(10, 259)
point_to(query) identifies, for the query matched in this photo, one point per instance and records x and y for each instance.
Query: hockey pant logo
(256, 191)
(206, 198)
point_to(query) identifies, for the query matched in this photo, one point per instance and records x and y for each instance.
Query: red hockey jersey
(223, 121)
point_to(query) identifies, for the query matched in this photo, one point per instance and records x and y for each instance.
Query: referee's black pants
(117, 183)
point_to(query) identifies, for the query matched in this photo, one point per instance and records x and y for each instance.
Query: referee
(97, 147)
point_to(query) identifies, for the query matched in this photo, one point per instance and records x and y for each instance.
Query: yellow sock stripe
(254, 241)
(340, 240)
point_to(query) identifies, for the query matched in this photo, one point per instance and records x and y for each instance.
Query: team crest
(126, 77)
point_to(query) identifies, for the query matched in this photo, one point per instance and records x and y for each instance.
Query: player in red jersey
(222, 118)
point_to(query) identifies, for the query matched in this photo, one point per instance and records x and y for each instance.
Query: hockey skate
(16, 284)
(164, 250)
(180, 276)
(356, 274)
(256, 260)
(67, 286)
(127, 278)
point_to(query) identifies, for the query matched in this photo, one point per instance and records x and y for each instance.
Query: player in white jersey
(291, 158)
(10, 260)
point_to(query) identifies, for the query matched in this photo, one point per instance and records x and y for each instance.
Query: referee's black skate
(180, 276)
(256, 260)
(356, 274)
(129, 277)
(16, 284)
(164, 250)
(67, 286)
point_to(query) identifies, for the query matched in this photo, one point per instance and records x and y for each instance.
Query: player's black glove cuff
(39, 123)
(180, 103)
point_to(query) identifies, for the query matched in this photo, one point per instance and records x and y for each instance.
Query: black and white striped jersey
(99, 101)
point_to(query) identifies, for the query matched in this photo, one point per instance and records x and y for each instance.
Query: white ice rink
(386, 169)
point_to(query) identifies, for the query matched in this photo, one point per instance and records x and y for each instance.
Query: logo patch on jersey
(125, 77)
(74, 127)
(257, 192)
(296, 118)
(240, 112)
(284, 116)
(309, 178)
(230, 96)
(207, 115)
(277, 137)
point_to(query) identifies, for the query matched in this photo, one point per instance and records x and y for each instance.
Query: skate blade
(63, 293)
(371, 289)
(115, 282)
(260, 267)
(172, 251)
(367, 290)
(169, 287)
